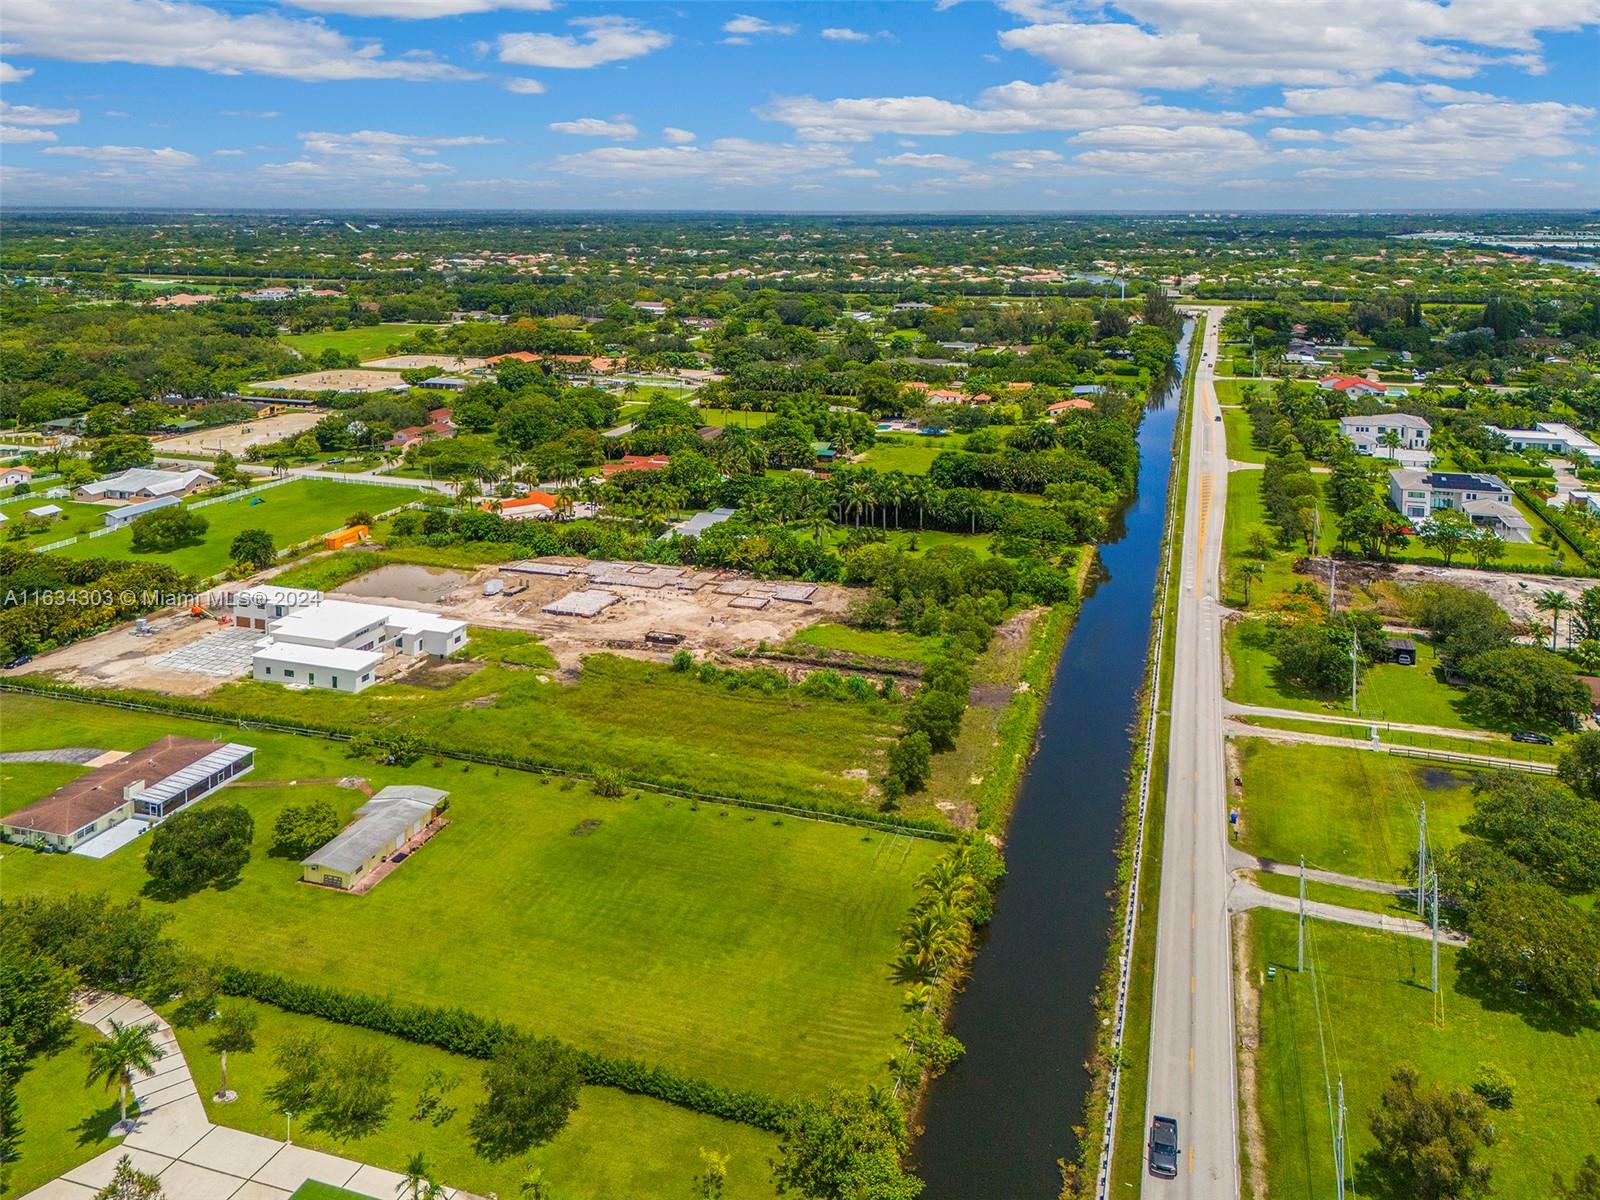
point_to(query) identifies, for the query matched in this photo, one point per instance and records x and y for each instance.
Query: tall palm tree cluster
(936, 941)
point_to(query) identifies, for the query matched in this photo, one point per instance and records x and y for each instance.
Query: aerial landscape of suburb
(946, 600)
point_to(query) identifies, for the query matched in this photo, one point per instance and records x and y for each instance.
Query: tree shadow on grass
(1535, 1013)
(163, 892)
(93, 1128)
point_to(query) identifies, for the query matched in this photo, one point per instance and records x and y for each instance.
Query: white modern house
(1486, 499)
(338, 644)
(257, 607)
(1370, 435)
(1555, 438)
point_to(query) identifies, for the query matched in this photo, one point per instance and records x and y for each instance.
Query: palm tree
(1248, 572)
(126, 1049)
(235, 1030)
(919, 489)
(1391, 442)
(418, 1183)
(1554, 602)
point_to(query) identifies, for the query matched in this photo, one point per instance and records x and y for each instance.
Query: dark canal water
(996, 1123)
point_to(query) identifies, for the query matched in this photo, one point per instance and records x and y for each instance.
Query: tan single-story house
(382, 826)
(149, 784)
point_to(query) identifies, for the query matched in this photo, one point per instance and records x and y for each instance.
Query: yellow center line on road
(1191, 985)
(1191, 1060)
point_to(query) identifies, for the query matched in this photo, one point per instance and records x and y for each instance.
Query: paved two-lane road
(1192, 1044)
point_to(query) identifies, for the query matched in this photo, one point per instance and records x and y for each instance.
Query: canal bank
(998, 1123)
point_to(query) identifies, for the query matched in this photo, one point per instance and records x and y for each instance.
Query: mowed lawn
(750, 949)
(301, 509)
(876, 643)
(643, 719)
(1387, 692)
(364, 341)
(1377, 1012)
(615, 1144)
(64, 1123)
(909, 452)
(1352, 811)
(75, 519)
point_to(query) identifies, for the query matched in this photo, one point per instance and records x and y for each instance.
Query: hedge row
(803, 806)
(1585, 546)
(458, 1031)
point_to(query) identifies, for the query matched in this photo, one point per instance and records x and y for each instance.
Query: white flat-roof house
(1553, 437)
(316, 642)
(258, 607)
(1369, 434)
(143, 483)
(1486, 499)
(315, 666)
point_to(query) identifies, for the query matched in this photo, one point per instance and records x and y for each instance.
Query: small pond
(407, 581)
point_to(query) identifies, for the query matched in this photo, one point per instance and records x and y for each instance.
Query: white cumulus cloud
(174, 33)
(419, 9)
(733, 161)
(619, 130)
(128, 156)
(525, 87)
(603, 40)
(11, 74)
(926, 162)
(678, 137)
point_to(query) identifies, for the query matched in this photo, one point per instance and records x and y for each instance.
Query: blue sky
(1023, 105)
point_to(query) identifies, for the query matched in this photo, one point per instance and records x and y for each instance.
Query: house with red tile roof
(1061, 406)
(636, 462)
(533, 504)
(1350, 385)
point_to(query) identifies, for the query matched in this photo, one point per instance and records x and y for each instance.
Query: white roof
(143, 479)
(195, 772)
(379, 824)
(329, 621)
(266, 595)
(45, 510)
(1391, 420)
(409, 620)
(295, 654)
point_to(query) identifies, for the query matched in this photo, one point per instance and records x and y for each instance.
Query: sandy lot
(415, 362)
(236, 439)
(1513, 591)
(336, 381)
(707, 619)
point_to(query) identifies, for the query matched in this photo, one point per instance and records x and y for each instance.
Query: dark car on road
(1532, 738)
(1164, 1147)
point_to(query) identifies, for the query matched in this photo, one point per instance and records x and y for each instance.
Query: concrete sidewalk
(194, 1159)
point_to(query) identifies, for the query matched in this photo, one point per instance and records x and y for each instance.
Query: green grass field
(1498, 745)
(75, 519)
(614, 1145)
(641, 718)
(1350, 811)
(63, 1122)
(1241, 446)
(312, 1190)
(1330, 893)
(301, 509)
(364, 341)
(1245, 512)
(879, 643)
(909, 452)
(1377, 1012)
(729, 416)
(749, 949)
(1387, 692)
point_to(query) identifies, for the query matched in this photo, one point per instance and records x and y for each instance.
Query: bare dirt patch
(705, 618)
(1373, 584)
(429, 362)
(1247, 1000)
(345, 380)
(236, 439)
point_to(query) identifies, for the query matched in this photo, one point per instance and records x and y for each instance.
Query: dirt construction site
(1516, 592)
(578, 607)
(575, 606)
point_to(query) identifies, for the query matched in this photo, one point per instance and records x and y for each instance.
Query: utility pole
(1300, 934)
(1422, 855)
(1352, 670)
(1333, 579)
(1435, 882)
(1338, 1144)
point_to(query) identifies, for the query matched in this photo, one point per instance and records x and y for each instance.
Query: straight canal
(995, 1125)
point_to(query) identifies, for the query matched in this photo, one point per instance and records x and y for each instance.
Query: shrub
(1496, 1087)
